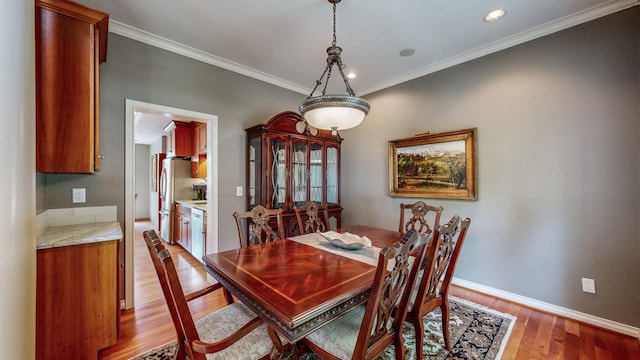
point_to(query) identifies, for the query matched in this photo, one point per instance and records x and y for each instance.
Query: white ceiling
(283, 42)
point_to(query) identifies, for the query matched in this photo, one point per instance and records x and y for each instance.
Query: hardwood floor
(536, 335)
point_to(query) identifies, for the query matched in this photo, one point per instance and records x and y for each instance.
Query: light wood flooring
(536, 335)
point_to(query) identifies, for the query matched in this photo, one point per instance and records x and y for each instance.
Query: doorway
(211, 242)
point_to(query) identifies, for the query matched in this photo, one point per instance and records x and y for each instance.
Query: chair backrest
(314, 222)
(174, 295)
(418, 220)
(446, 254)
(155, 247)
(253, 226)
(187, 334)
(388, 302)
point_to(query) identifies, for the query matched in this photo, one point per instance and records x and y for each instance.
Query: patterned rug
(477, 332)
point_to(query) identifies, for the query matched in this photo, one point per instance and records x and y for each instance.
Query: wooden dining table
(295, 287)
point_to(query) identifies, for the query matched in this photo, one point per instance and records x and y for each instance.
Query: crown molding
(537, 32)
(178, 48)
(531, 34)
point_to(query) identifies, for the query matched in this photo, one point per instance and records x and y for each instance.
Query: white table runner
(367, 254)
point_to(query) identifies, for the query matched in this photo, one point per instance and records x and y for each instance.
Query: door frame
(211, 242)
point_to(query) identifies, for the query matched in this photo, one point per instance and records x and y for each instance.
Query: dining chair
(254, 228)
(314, 222)
(231, 332)
(431, 293)
(366, 331)
(418, 220)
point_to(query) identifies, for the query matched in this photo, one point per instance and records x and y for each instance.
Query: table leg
(283, 352)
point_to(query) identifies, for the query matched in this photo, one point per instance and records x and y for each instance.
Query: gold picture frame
(439, 166)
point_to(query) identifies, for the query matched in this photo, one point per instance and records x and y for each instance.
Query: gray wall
(557, 123)
(558, 127)
(144, 73)
(142, 181)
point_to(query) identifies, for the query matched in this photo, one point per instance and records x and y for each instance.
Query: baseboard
(550, 308)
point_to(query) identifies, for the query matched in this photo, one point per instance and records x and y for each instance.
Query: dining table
(300, 283)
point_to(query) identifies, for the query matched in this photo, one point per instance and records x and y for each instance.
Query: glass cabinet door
(333, 168)
(278, 156)
(315, 173)
(255, 171)
(299, 172)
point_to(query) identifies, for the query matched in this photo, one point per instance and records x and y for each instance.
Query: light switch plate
(238, 190)
(79, 195)
(588, 285)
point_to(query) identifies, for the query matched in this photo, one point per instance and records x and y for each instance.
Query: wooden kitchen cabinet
(183, 226)
(77, 300)
(199, 157)
(199, 166)
(200, 139)
(288, 165)
(179, 139)
(71, 43)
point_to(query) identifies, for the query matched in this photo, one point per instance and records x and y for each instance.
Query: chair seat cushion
(339, 336)
(223, 322)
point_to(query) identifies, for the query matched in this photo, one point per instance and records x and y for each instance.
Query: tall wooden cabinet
(71, 42)
(289, 164)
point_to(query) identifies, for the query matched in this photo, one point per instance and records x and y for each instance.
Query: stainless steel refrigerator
(175, 184)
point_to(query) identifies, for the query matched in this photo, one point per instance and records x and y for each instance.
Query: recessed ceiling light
(495, 15)
(407, 52)
(352, 75)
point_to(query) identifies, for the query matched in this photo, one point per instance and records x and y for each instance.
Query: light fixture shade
(330, 111)
(334, 112)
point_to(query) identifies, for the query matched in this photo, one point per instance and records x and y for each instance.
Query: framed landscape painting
(441, 166)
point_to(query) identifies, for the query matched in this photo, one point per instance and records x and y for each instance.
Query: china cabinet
(289, 164)
(70, 44)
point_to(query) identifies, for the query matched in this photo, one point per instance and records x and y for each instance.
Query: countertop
(194, 204)
(57, 236)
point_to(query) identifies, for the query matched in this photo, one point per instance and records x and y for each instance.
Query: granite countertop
(194, 204)
(57, 236)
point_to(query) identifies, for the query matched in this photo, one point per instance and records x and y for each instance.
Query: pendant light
(333, 111)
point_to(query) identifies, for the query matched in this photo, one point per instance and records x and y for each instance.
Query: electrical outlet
(238, 190)
(79, 195)
(588, 285)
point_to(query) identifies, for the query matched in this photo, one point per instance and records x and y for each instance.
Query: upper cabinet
(179, 139)
(199, 152)
(288, 165)
(71, 43)
(200, 139)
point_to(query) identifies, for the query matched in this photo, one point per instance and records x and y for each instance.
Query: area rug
(477, 332)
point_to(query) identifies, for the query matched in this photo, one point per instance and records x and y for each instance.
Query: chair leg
(399, 346)
(418, 327)
(444, 308)
(180, 353)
